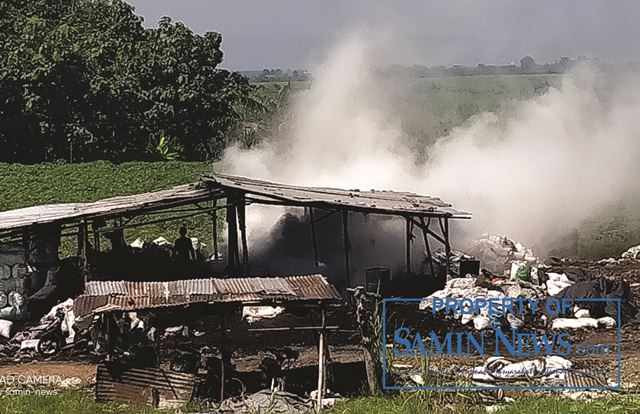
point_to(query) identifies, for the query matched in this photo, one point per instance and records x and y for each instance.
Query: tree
(527, 64)
(84, 80)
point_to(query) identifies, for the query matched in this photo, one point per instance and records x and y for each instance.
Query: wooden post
(214, 228)
(370, 339)
(233, 258)
(408, 246)
(321, 363)
(109, 335)
(316, 262)
(427, 247)
(223, 352)
(447, 245)
(83, 235)
(347, 245)
(243, 234)
(96, 237)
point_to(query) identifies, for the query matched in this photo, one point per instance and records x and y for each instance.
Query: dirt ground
(80, 374)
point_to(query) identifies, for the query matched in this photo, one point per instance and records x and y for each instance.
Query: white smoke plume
(533, 171)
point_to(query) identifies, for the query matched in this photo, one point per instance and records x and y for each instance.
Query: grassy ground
(75, 402)
(80, 402)
(415, 403)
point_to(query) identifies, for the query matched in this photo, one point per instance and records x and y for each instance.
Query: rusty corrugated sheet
(578, 379)
(108, 287)
(144, 295)
(154, 289)
(137, 289)
(254, 285)
(312, 288)
(138, 385)
(83, 305)
(271, 286)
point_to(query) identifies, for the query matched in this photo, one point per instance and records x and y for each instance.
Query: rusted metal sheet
(376, 201)
(109, 287)
(254, 285)
(577, 379)
(152, 289)
(152, 386)
(83, 305)
(146, 295)
(312, 288)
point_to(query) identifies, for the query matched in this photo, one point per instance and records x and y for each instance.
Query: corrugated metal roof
(385, 202)
(173, 197)
(143, 295)
(138, 385)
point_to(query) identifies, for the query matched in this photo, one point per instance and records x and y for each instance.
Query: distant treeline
(277, 75)
(527, 66)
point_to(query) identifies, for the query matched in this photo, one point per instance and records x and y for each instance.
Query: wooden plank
(347, 246)
(321, 364)
(243, 234)
(314, 242)
(427, 247)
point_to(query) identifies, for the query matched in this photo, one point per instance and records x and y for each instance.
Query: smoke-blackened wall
(375, 241)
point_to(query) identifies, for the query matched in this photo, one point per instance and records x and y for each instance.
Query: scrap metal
(124, 295)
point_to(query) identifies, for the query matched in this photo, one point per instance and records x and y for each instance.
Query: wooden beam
(408, 246)
(233, 258)
(427, 247)
(347, 245)
(314, 242)
(84, 245)
(214, 228)
(223, 351)
(242, 222)
(321, 364)
(431, 232)
(96, 236)
(447, 246)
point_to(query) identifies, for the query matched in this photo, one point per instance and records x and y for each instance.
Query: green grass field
(81, 402)
(78, 402)
(419, 403)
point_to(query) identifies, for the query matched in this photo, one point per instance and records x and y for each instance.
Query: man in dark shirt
(183, 248)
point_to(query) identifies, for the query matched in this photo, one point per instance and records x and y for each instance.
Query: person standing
(183, 248)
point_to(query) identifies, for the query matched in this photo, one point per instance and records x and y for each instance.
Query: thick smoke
(535, 170)
(538, 170)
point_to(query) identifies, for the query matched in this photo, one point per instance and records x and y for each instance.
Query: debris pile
(498, 253)
(511, 270)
